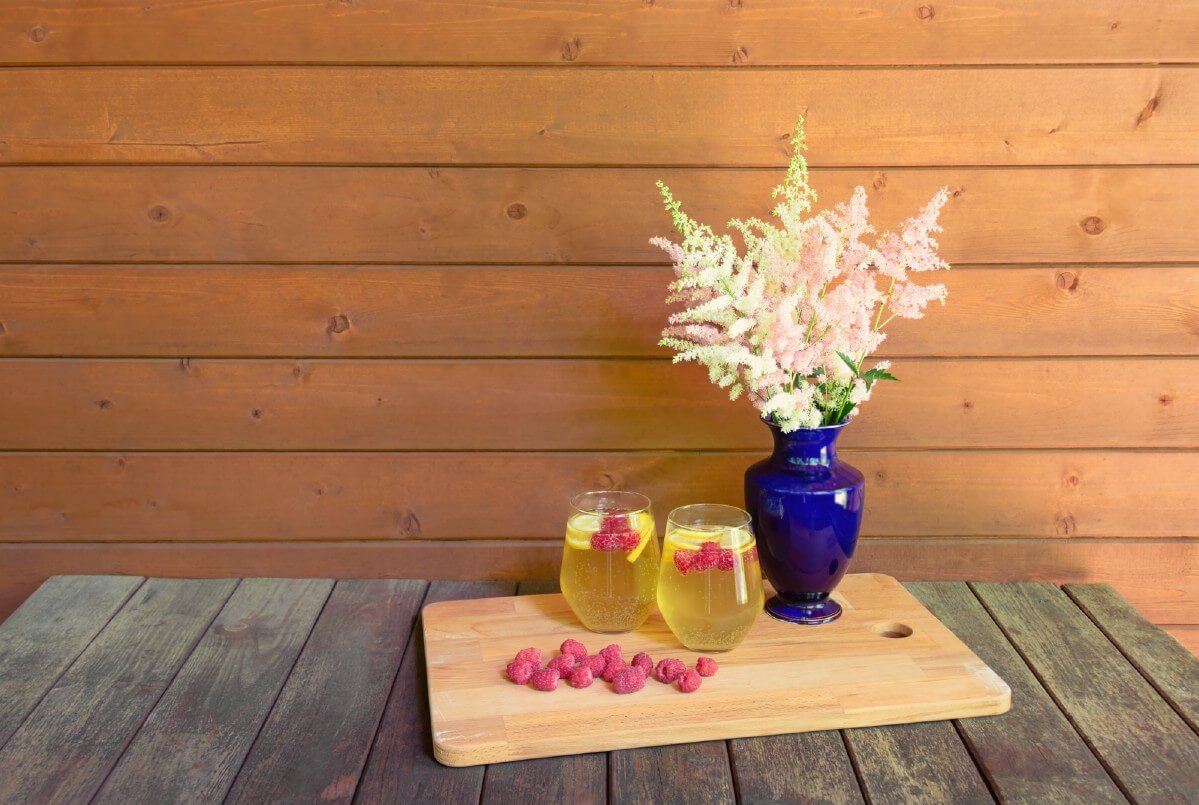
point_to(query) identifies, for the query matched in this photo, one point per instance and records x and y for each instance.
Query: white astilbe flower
(790, 319)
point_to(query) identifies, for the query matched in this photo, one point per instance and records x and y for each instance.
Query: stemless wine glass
(710, 585)
(609, 562)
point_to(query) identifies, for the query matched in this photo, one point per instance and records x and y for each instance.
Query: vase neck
(815, 447)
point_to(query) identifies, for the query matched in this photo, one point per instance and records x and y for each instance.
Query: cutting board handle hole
(893, 630)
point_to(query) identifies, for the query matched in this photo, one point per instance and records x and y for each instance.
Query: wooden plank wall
(363, 288)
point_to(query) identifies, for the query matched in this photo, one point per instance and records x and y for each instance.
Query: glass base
(809, 613)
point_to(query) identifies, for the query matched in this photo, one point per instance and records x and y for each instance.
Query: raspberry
(644, 662)
(519, 671)
(613, 668)
(612, 652)
(596, 663)
(629, 680)
(705, 560)
(706, 666)
(684, 561)
(710, 547)
(752, 554)
(726, 560)
(629, 541)
(581, 677)
(690, 682)
(604, 542)
(546, 679)
(532, 655)
(575, 649)
(669, 670)
(563, 664)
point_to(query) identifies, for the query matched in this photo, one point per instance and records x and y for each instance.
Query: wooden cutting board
(887, 660)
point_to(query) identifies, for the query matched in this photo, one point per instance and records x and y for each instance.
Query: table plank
(684, 773)
(1031, 753)
(802, 767)
(1167, 664)
(401, 767)
(72, 739)
(569, 778)
(48, 631)
(315, 741)
(916, 762)
(1150, 751)
(195, 740)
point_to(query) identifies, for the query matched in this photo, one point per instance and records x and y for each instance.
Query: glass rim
(642, 502)
(740, 520)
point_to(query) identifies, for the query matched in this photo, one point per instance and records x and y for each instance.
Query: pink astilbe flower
(790, 319)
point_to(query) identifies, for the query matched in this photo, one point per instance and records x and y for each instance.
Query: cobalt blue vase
(806, 506)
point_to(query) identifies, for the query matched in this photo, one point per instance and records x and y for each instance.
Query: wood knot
(968, 404)
(2, 328)
(121, 462)
(104, 405)
(256, 413)
(1148, 111)
(1092, 225)
(159, 214)
(1165, 399)
(1066, 280)
(880, 475)
(880, 181)
(407, 524)
(737, 4)
(300, 370)
(37, 34)
(1073, 480)
(1115, 25)
(957, 192)
(571, 48)
(185, 364)
(741, 55)
(319, 490)
(926, 12)
(517, 211)
(338, 324)
(609, 480)
(1065, 525)
(31, 242)
(434, 173)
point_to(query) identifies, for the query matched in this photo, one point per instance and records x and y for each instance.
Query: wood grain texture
(1032, 116)
(314, 743)
(811, 767)
(70, 742)
(1171, 669)
(573, 215)
(1011, 748)
(138, 497)
(195, 740)
(576, 311)
(581, 779)
(77, 404)
(1186, 635)
(925, 762)
(581, 32)
(844, 675)
(1159, 577)
(41, 640)
(401, 767)
(1129, 726)
(683, 773)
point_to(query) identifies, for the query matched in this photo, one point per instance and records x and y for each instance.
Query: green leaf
(849, 362)
(878, 374)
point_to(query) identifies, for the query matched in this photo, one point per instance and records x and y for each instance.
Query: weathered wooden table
(159, 690)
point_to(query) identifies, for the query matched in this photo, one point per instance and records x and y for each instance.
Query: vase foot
(810, 614)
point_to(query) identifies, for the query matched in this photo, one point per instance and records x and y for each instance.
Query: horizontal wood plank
(1159, 577)
(48, 632)
(571, 215)
(73, 738)
(582, 32)
(380, 496)
(184, 404)
(1034, 116)
(531, 311)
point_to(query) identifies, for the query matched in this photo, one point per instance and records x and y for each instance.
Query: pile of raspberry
(710, 555)
(615, 533)
(580, 669)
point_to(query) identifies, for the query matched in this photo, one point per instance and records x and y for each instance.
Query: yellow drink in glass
(610, 560)
(710, 583)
